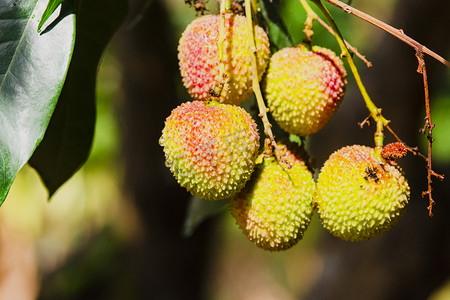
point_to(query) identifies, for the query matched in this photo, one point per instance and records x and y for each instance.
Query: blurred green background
(114, 231)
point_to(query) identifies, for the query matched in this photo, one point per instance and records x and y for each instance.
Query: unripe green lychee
(199, 62)
(275, 207)
(304, 88)
(210, 148)
(359, 195)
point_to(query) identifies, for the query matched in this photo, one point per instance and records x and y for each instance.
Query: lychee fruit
(304, 88)
(275, 207)
(200, 64)
(359, 195)
(210, 148)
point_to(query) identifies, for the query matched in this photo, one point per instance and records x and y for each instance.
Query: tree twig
(311, 15)
(427, 129)
(375, 112)
(398, 33)
(255, 81)
(349, 46)
(413, 150)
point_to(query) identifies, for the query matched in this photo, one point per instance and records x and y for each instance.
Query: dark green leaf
(278, 36)
(51, 7)
(199, 210)
(276, 28)
(68, 139)
(33, 67)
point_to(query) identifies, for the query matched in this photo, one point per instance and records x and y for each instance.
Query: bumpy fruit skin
(199, 58)
(210, 148)
(304, 88)
(275, 207)
(358, 195)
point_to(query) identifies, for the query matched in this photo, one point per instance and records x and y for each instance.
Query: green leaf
(33, 67)
(295, 139)
(200, 209)
(276, 28)
(68, 139)
(51, 7)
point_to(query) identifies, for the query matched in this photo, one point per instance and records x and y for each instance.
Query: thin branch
(366, 121)
(413, 150)
(216, 89)
(398, 33)
(427, 129)
(311, 15)
(353, 49)
(375, 112)
(255, 80)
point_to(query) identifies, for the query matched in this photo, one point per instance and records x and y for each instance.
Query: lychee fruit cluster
(198, 54)
(211, 145)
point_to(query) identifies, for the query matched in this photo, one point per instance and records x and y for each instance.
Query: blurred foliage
(88, 211)
(440, 112)
(262, 274)
(440, 109)
(443, 293)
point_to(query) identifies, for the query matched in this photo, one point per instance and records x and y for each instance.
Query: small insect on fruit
(371, 172)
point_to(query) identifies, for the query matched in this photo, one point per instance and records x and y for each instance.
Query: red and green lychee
(198, 55)
(275, 207)
(359, 195)
(304, 88)
(210, 148)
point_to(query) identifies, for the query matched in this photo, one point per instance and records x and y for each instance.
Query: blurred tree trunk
(18, 264)
(413, 259)
(167, 266)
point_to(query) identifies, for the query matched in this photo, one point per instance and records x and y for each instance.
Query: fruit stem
(225, 6)
(310, 17)
(374, 111)
(255, 80)
(379, 136)
(222, 36)
(216, 90)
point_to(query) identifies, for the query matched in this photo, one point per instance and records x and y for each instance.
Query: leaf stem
(217, 89)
